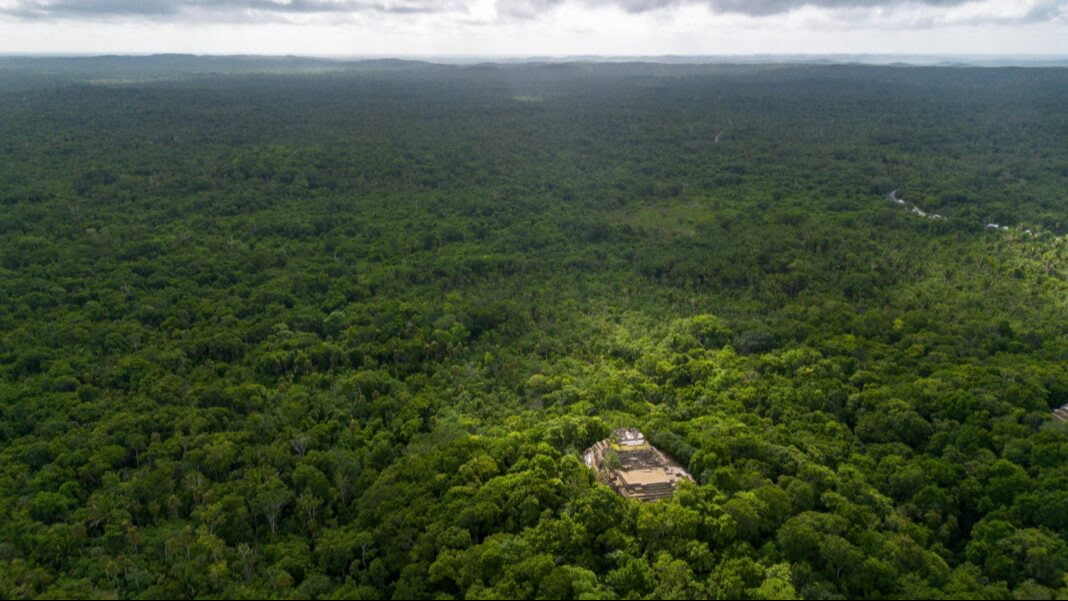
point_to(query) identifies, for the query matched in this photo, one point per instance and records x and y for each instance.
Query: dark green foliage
(345, 334)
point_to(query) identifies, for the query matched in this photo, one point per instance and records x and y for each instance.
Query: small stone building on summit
(633, 467)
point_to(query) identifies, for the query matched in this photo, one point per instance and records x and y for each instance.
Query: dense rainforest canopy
(309, 329)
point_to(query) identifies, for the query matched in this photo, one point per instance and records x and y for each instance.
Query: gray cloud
(526, 9)
(1047, 10)
(760, 8)
(237, 10)
(81, 9)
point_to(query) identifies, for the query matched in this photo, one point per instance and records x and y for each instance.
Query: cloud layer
(51, 9)
(238, 10)
(426, 28)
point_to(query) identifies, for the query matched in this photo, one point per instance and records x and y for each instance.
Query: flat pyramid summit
(633, 467)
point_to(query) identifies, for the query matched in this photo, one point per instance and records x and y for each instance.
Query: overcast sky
(534, 27)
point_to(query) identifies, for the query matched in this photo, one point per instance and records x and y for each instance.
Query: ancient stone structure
(1060, 413)
(633, 467)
